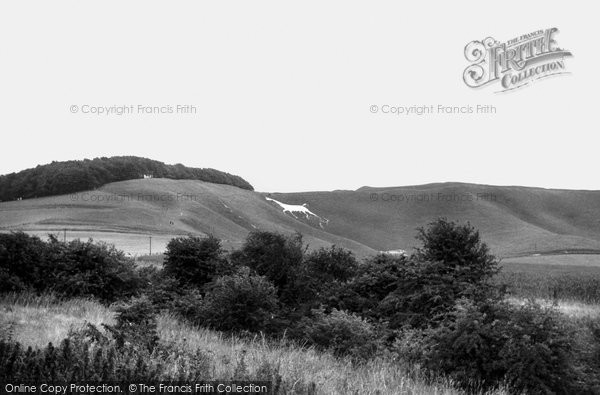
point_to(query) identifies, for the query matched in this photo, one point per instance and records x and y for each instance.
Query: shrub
(331, 264)
(73, 269)
(278, 258)
(136, 325)
(195, 261)
(92, 269)
(239, 302)
(166, 293)
(88, 355)
(459, 248)
(587, 350)
(22, 262)
(452, 264)
(344, 333)
(374, 280)
(527, 347)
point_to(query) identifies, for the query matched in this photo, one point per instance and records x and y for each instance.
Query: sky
(284, 92)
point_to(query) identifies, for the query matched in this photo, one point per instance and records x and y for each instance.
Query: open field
(35, 321)
(566, 281)
(578, 260)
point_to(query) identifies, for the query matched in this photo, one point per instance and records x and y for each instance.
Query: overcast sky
(284, 90)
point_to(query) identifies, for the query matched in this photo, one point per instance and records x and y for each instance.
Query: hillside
(514, 221)
(126, 213)
(58, 178)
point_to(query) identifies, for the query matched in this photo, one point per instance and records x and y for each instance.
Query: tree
(239, 302)
(459, 248)
(331, 264)
(275, 256)
(91, 269)
(75, 268)
(22, 263)
(195, 261)
(375, 279)
(453, 263)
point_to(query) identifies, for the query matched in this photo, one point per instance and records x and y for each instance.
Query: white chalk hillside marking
(296, 208)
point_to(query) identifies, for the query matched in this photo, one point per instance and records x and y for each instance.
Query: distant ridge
(58, 178)
(513, 220)
(464, 184)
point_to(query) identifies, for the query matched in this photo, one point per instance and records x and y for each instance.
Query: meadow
(36, 320)
(563, 278)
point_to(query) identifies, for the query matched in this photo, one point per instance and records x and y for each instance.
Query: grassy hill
(126, 213)
(514, 221)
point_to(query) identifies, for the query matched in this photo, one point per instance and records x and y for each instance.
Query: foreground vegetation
(444, 309)
(34, 321)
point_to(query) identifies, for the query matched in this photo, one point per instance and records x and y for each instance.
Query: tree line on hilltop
(58, 178)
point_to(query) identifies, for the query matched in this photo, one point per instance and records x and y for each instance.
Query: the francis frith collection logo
(514, 63)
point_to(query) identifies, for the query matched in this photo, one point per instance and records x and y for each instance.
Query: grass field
(566, 278)
(577, 260)
(35, 321)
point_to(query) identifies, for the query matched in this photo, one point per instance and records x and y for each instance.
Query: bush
(375, 279)
(459, 249)
(278, 258)
(195, 261)
(587, 350)
(239, 302)
(136, 325)
(22, 262)
(166, 293)
(345, 334)
(88, 355)
(73, 269)
(528, 347)
(92, 269)
(452, 264)
(331, 264)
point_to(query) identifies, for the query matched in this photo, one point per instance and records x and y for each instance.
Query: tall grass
(37, 320)
(154, 260)
(304, 365)
(552, 282)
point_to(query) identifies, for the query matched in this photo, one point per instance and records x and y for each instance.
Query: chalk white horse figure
(296, 208)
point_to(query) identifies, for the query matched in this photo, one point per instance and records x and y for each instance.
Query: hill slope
(58, 178)
(512, 220)
(126, 213)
